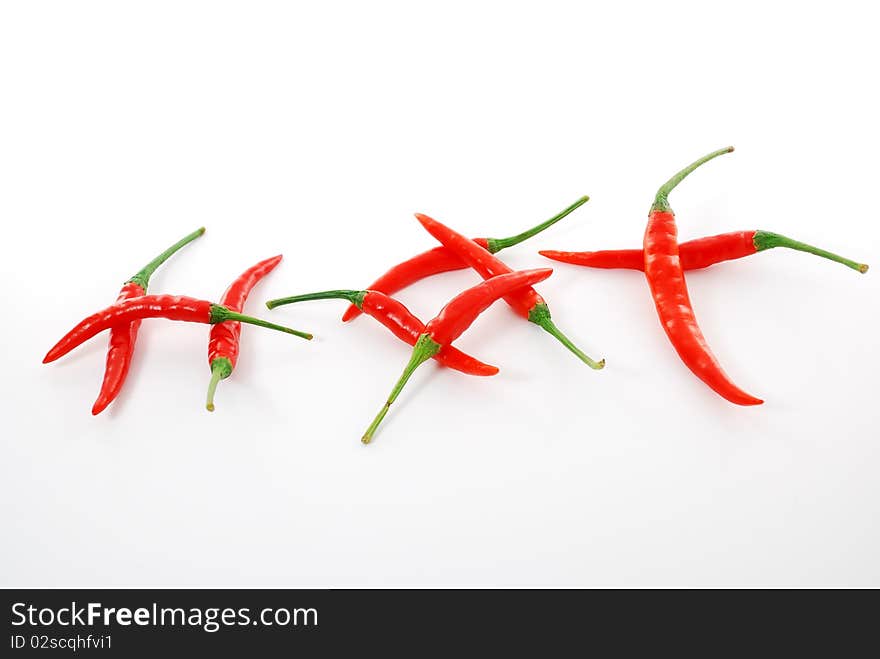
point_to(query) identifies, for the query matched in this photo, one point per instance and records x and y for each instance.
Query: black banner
(133, 623)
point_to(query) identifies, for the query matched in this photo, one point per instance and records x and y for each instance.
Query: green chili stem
(221, 314)
(661, 201)
(423, 350)
(497, 244)
(355, 297)
(768, 240)
(540, 315)
(221, 368)
(142, 278)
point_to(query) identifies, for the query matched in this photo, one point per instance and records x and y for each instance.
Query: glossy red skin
(694, 254)
(464, 308)
(487, 265)
(406, 327)
(172, 307)
(663, 270)
(119, 352)
(427, 264)
(224, 338)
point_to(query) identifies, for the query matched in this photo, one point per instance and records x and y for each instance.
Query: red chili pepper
(449, 324)
(123, 337)
(700, 253)
(172, 307)
(440, 259)
(663, 270)
(525, 301)
(223, 340)
(400, 320)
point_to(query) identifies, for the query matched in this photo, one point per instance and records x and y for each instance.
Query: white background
(316, 130)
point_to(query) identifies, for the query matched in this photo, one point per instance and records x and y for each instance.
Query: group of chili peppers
(123, 319)
(662, 259)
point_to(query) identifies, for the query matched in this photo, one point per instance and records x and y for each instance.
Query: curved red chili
(666, 280)
(400, 320)
(441, 259)
(458, 314)
(123, 337)
(525, 301)
(172, 307)
(700, 253)
(223, 340)
(120, 349)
